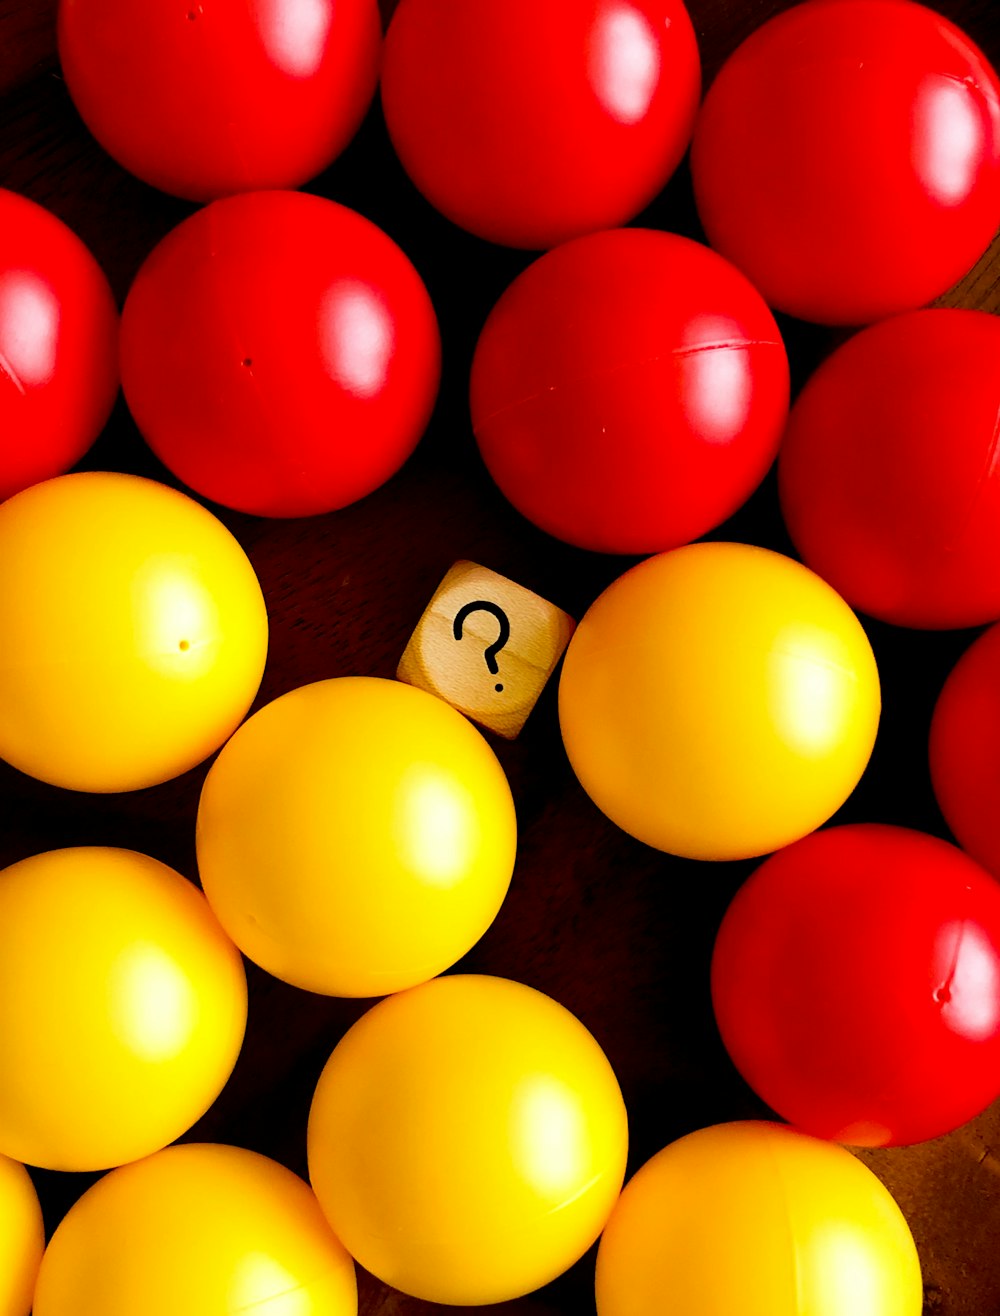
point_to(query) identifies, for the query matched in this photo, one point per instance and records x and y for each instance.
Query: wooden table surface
(617, 932)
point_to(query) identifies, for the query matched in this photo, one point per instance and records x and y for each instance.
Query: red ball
(629, 391)
(965, 750)
(58, 345)
(529, 123)
(207, 99)
(847, 158)
(280, 354)
(887, 475)
(856, 985)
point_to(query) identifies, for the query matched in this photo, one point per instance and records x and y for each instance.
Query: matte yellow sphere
(197, 1230)
(22, 1239)
(756, 1219)
(467, 1140)
(356, 836)
(132, 632)
(122, 1007)
(719, 701)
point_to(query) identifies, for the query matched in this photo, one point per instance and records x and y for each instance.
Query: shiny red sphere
(58, 345)
(847, 158)
(280, 354)
(887, 474)
(965, 750)
(856, 985)
(207, 99)
(529, 122)
(629, 391)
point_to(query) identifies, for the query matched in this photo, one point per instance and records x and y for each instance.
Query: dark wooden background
(618, 933)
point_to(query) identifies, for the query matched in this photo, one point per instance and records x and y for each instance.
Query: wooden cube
(487, 646)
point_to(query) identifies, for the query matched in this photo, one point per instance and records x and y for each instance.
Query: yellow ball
(22, 1239)
(122, 1007)
(356, 836)
(719, 701)
(757, 1219)
(467, 1140)
(197, 1230)
(133, 632)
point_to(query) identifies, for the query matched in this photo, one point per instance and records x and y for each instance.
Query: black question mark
(482, 605)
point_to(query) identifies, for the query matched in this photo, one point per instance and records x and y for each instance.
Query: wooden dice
(487, 646)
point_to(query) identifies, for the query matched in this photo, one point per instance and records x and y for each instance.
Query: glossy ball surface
(199, 1229)
(719, 701)
(378, 855)
(887, 475)
(22, 1238)
(280, 354)
(135, 632)
(58, 345)
(493, 1153)
(122, 1007)
(629, 391)
(965, 750)
(759, 1219)
(530, 124)
(856, 985)
(847, 158)
(207, 99)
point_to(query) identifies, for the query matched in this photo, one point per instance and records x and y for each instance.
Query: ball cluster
(280, 353)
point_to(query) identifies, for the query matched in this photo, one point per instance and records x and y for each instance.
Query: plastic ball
(757, 1219)
(22, 1239)
(200, 1229)
(122, 1007)
(847, 158)
(856, 984)
(134, 632)
(965, 750)
(203, 100)
(492, 1151)
(530, 124)
(377, 856)
(629, 391)
(886, 474)
(58, 345)
(719, 701)
(280, 354)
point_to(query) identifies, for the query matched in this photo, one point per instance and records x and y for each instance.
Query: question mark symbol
(482, 605)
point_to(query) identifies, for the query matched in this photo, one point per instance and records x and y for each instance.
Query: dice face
(487, 646)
